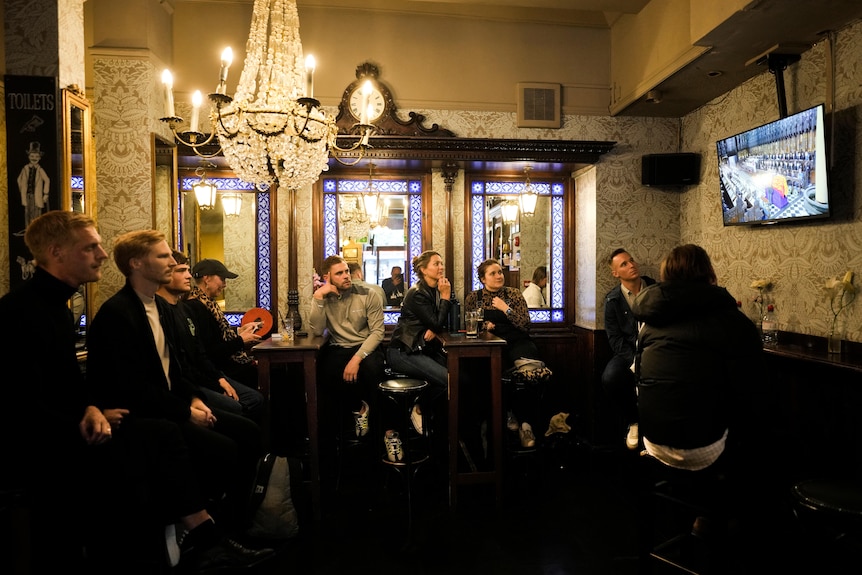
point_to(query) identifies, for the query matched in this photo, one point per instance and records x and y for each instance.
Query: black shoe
(226, 553)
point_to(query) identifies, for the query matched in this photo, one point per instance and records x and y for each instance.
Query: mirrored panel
(233, 230)
(520, 243)
(379, 234)
(78, 193)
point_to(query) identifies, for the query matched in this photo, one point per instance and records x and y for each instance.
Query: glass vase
(833, 338)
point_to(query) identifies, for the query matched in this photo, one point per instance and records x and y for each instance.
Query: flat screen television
(775, 172)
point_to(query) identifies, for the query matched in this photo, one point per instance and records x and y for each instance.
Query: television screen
(775, 172)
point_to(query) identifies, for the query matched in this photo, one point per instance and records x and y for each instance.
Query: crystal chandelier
(272, 130)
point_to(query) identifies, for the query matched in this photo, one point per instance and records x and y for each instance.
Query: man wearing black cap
(224, 343)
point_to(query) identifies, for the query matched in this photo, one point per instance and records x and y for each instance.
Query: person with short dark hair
(621, 327)
(358, 278)
(220, 391)
(353, 316)
(393, 287)
(534, 294)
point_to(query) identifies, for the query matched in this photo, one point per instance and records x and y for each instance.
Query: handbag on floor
(273, 514)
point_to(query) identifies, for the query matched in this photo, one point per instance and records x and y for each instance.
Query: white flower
(761, 284)
(837, 289)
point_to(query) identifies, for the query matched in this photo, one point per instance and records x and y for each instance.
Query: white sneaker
(172, 545)
(393, 446)
(527, 437)
(360, 418)
(632, 438)
(416, 419)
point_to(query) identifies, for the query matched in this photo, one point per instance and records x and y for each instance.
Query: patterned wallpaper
(613, 209)
(798, 258)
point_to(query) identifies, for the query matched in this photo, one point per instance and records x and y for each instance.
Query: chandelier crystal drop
(272, 131)
(266, 133)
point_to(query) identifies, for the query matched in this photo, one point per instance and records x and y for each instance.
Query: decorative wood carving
(388, 124)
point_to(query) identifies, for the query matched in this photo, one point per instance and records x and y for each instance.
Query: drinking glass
(472, 319)
(287, 331)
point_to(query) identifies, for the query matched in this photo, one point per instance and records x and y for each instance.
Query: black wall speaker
(670, 169)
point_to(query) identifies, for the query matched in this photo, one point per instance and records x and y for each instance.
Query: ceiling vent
(538, 105)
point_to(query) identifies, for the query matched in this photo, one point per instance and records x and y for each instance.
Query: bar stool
(404, 392)
(528, 393)
(830, 512)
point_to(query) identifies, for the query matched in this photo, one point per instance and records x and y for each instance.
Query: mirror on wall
(78, 190)
(164, 181)
(232, 228)
(378, 232)
(521, 243)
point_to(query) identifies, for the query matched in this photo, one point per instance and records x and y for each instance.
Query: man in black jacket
(618, 379)
(111, 481)
(133, 363)
(220, 391)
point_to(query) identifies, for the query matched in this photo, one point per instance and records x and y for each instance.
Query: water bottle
(769, 328)
(454, 315)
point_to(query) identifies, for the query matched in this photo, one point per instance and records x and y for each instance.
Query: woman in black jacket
(415, 349)
(695, 354)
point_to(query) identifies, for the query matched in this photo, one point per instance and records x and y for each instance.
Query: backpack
(273, 514)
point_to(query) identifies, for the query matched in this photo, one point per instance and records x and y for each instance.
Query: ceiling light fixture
(231, 203)
(528, 198)
(205, 191)
(272, 131)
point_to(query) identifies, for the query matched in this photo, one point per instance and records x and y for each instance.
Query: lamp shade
(231, 203)
(510, 211)
(205, 194)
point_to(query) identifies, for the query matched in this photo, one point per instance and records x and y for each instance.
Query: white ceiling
(795, 25)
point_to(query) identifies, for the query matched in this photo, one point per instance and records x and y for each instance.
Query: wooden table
(457, 347)
(304, 350)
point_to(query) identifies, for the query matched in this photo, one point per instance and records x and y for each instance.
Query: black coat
(620, 325)
(421, 310)
(123, 364)
(38, 341)
(698, 363)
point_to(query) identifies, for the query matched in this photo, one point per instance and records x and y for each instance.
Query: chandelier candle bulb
(309, 76)
(197, 100)
(226, 60)
(168, 81)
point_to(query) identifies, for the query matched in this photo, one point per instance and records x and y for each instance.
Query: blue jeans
(251, 401)
(422, 367)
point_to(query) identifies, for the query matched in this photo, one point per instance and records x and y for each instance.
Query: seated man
(353, 316)
(618, 378)
(358, 278)
(124, 478)
(393, 287)
(220, 391)
(133, 363)
(225, 344)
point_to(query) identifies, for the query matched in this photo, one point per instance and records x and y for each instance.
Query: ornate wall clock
(380, 107)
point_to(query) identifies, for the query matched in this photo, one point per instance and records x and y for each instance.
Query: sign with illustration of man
(33, 157)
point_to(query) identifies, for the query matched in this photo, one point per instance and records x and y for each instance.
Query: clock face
(375, 103)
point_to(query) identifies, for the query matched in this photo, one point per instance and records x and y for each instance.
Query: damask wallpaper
(613, 208)
(798, 258)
